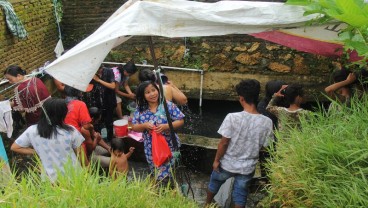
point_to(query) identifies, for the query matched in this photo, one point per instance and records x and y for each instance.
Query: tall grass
(325, 164)
(86, 188)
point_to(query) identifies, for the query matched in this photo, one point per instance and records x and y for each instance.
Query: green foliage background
(325, 164)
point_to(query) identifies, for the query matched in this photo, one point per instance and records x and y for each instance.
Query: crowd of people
(69, 129)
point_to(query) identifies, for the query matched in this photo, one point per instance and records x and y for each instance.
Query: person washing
(121, 75)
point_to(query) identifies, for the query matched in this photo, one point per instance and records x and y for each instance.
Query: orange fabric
(78, 114)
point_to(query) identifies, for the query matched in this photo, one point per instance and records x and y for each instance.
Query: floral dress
(147, 116)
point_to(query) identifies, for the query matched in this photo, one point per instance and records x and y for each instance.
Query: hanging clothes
(12, 21)
(6, 119)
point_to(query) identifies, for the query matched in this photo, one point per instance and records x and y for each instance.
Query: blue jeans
(241, 182)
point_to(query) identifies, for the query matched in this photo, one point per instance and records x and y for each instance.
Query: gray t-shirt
(54, 152)
(248, 133)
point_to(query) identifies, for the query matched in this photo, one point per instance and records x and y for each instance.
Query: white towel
(6, 120)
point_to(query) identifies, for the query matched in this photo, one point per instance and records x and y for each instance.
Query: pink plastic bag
(161, 152)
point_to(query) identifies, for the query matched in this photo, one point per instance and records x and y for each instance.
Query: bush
(83, 188)
(326, 163)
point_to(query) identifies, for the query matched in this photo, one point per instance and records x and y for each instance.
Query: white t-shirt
(248, 133)
(54, 152)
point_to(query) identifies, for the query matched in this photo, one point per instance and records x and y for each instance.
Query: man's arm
(221, 149)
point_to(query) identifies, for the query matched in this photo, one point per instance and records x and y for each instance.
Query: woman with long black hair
(51, 139)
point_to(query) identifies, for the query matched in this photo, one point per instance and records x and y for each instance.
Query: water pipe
(172, 68)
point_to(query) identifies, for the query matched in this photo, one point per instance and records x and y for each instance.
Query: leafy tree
(352, 12)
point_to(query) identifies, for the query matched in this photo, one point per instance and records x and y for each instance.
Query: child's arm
(221, 149)
(131, 150)
(332, 88)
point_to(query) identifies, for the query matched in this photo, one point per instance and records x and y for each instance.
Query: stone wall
(225, 59)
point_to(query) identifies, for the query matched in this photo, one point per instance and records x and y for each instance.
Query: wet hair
(53, 115)
(146, 75)
(291, 92)
(129, 67)
(94, 112)
(71, 91)
(249, 90)
(14, 70)
(118, 144)
(340, 75)
(272, 87)
(141, 100)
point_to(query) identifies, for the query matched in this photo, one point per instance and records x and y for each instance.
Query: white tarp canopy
(170, 18)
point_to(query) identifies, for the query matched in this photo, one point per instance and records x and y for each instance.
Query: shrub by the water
(325, 164)
(83, 188)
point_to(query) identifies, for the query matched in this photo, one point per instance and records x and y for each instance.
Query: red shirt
(78, 114)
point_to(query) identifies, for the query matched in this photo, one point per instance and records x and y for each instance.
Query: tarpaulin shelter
(174, 18)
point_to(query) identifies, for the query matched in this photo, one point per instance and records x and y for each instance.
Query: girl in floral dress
(150, 116)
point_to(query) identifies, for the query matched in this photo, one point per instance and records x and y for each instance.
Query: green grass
(326, 163)
(86, 188)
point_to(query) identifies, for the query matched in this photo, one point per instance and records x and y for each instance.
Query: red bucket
(121, 128)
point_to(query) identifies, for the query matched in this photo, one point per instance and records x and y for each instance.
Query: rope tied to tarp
(14, 24)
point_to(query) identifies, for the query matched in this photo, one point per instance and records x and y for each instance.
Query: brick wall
(83, 17)
(31, 53)
(38, 19)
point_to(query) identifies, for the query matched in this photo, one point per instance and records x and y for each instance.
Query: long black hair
(141, 100)
(53, 115)
(14, 70)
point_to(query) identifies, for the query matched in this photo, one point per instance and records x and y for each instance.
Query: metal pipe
(152, 66)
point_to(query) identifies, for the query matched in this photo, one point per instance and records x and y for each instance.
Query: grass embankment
(83, 188)
(326, 163)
